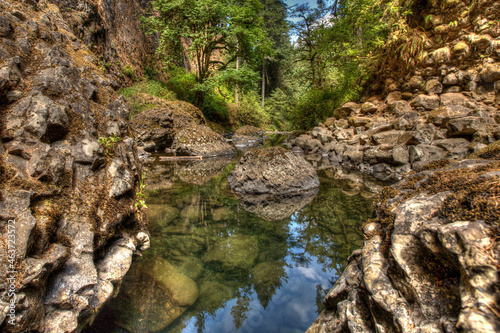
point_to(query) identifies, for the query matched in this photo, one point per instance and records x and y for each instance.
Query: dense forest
(263, 63)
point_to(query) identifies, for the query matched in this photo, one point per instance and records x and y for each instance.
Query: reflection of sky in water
(290, 309)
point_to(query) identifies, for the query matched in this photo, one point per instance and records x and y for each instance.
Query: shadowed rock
(274, 171)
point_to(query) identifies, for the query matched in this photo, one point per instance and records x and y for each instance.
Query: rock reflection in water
(272, 208)
(200, 172)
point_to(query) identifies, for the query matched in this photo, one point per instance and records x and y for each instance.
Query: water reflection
(200, 172)
(274, 208)
(222, 264)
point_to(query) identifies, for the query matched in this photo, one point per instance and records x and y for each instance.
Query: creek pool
(219, 263)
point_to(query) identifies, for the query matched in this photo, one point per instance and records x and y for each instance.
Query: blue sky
(312, 3)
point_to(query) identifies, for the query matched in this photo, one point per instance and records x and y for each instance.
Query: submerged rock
(154, 294)
(274, 171)
(236, 253)
(201, 141)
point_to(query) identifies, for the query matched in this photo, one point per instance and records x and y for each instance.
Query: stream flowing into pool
(219, 263)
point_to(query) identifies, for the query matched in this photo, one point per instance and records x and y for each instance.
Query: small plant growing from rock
(140, 197)
(108, 143)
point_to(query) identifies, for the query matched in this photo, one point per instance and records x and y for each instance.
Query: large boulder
(201, 141)
(156, 128)
(274, 171)
(248, 135)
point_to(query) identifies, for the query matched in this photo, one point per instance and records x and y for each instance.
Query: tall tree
(308, 30)
(277, 28)
(212, 33)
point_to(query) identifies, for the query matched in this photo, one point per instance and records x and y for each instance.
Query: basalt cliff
(70, 220)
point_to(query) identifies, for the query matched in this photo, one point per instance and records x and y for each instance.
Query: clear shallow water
(235, 264)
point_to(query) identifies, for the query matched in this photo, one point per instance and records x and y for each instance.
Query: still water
(219, 263)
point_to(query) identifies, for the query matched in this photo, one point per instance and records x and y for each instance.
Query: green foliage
(280, 106)
(141, 96)
(218, 34)
(250, 111)
(140, 197)
(128, 70)
(108, 143)
(215, 108)
(182, 84)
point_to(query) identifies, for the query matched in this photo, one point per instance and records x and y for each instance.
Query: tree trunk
(263, 81)
(236, 93)
(198, 98)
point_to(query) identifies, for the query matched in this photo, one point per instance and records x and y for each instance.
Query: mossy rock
(491, 152)
(191, 213)
(154, 294)
(186, 244)
(235, 254)
(192, 267)
(213, 295)
(160, 216)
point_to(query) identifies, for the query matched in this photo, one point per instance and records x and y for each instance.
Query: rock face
(69, 172)
(274, 171)
(157, 128)
(201, 141)
(431, 259)
(248, 136)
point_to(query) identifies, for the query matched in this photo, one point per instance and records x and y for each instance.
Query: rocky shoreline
(430, 262)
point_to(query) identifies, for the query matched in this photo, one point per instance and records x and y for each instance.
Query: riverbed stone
(201, 141)
(236, 253)
(274, 171)
(429, 261)
(248, 135)
(158, 294)
(425, 101)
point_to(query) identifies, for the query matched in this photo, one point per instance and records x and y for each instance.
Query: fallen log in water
(180, 158)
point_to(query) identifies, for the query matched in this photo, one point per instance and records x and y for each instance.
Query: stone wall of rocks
(69, 174)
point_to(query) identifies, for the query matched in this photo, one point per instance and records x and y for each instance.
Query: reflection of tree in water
(330, 226)
(239, 310)
(320, 296)
(267, 278)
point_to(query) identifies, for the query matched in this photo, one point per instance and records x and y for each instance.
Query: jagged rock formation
(446, 106)
(69, 171)
(111, 30)
(431, 260)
